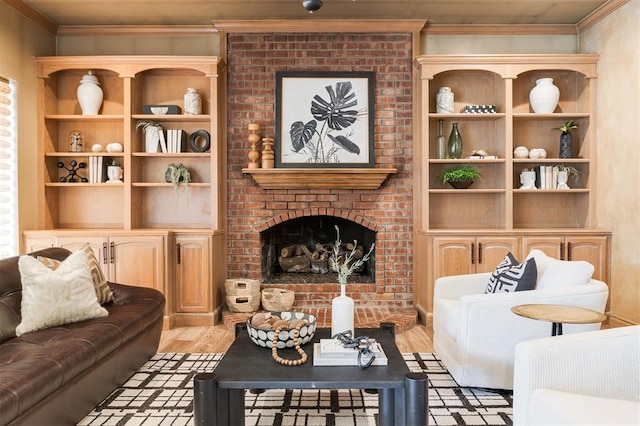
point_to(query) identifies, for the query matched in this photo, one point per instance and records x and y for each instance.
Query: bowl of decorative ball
(264, 325)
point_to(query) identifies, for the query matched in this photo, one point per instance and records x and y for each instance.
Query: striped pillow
(103, 291)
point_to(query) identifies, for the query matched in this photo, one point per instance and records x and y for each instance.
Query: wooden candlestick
(268, 156)
(254, 138)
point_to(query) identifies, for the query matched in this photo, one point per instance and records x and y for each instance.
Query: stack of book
(96, 169)
(174, 141)
(546, 177)
(331, 352)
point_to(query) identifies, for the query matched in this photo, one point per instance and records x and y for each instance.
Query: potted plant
(564, 173)
(566, 139)
(461, 177)
(152, 133)
(178, 174)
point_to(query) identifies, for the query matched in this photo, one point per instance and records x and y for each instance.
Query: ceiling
(203, 12)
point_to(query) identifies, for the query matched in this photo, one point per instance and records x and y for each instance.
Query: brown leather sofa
(58, 375)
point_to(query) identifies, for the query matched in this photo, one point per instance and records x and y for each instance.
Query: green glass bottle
(455, 142)
(441, 143)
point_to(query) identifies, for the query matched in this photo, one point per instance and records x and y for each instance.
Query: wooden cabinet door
(492, 250)
(98, 245)
(38, 242)
(193, 282)
(138, 260)
(593, 249)
(552, 246)
(453, 256)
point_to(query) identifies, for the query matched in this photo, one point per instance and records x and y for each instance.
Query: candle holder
(268, 157)
(254, 138)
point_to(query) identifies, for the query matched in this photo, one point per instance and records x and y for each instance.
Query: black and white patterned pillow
(511, 276)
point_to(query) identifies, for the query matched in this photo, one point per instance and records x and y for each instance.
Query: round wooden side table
(558, 315)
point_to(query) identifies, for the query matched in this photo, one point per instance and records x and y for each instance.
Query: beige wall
(617, 40)
(497, 44)
(20, 41)
(204, 44)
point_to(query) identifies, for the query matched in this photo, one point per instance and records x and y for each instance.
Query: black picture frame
(324, 119)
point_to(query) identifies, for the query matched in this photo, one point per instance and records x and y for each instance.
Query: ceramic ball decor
(521, 152)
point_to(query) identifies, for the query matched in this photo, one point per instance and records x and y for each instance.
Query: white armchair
(588, 378)
(475, 334)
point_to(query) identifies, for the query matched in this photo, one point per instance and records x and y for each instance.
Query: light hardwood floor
(218, 338)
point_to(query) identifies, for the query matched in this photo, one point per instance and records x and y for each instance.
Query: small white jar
(444, 101)
(192, 102)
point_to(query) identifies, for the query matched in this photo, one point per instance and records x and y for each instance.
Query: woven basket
(277, 299)
(243, 303)
(242, 295)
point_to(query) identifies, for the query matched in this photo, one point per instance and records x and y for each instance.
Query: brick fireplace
(253, 59)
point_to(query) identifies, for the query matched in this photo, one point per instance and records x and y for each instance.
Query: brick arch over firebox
(344, 214)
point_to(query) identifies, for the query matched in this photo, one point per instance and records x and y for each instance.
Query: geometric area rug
(161, 393)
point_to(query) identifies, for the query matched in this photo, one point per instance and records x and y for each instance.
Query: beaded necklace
(296, 345)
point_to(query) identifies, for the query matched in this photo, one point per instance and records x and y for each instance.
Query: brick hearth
(404, 319)
(252, 63)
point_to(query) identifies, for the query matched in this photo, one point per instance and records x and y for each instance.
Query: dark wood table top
(246, 365)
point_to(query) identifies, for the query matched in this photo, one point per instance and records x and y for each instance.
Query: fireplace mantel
(311, 178)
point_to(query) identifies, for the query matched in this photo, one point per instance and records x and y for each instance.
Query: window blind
(8, 171)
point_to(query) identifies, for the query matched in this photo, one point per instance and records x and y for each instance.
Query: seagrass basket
(242, 295)
(277, 299)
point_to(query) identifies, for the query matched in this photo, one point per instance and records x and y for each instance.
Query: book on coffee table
(331, 352)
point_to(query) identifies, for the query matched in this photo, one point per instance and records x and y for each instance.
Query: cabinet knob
(479, 253)
(569, 250)
(113, 254)
(178, 253)
(562, 251)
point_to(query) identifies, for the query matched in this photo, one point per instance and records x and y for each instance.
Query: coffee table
(219, 396)
(559, 314)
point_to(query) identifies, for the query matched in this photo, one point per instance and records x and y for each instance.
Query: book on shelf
(163, 142)
(96, 169)
(546, 177)
(175, 140)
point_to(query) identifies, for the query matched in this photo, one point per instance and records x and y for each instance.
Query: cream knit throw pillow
(51, 298)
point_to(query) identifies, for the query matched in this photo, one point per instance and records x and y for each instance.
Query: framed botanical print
(324, 119)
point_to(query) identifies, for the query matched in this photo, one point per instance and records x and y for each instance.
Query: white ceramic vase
(89, 94)
(152, 139)
(528, 180)
(114, 173)
(444, 101)
(192, 102)
(342, 312)
(563, 178)
(544, 96)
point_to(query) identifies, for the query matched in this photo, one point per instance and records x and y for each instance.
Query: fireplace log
(306, 251)
(295, 263)
(293, 250)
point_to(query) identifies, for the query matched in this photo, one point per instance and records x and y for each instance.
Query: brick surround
(253, 59)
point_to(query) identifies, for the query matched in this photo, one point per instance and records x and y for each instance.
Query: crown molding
(133, 30)
(322, 26)
(599, 14)
(506, 29)
(32, 14)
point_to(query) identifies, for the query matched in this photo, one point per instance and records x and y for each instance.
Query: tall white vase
(89, 94)
(342, 312)
(544, 96)
(152, 139)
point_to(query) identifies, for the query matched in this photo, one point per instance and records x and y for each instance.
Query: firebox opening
(314, 233)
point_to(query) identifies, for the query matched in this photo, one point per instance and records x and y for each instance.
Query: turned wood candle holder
(254, 138)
